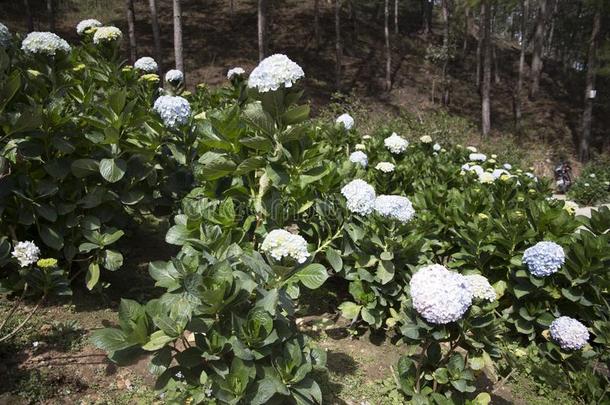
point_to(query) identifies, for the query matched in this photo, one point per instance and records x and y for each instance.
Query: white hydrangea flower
(440, 296)
(486, 178)
(26, 253)
(360, 196)
(273, 72)
(481, 289)
(395, 143)
(108, 34)
(346, 120)
(385, 167)
(471, 149)
(394, 207)
(544, 258)
(174, 76)
(5, 36)
(360, 146)
(236, 71)
(569, 333)
(146, 64)
(44, 43)
(507, 166)
(360, 158)
(280, 243)
(426, 139)
(477, 157)
(366, 137)
(84, 25)
(499, 172)
(436, 147)
(174, 110)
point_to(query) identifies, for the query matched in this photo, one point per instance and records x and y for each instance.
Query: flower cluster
(486, 178)
(346, 120)
(385, 167)
(5, 36)
(146, 64)
(360, 196)
(481, 289)
(569, 333)
(26, 253)
(395, 143)
(235, 72)
(280, 243)
(440, 296)
(44, 43)
(544, 258)
(46, 263)
(426, 139)
(174, 76)
(477, 157)
(360, 158)
(360, 146)
(108, 34)
(273, 72)
(85, 25)
(436, 147)
(570, 207)
(174, 110)
(394, 207)
(475, 168)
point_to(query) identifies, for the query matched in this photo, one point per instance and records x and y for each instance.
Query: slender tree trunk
(486, 83)
(28, 14)
(480, 47)
(131, 26)
(262, 29)
(51, 12)
(232, 8)
(467, 30)
(178, 49)
(338, 47)
(388, 51)
(316, 22)
(538, 48)
(518, 89)
(494, 56)
(549, 43)
(154, 22)
(587, 116)
(444, 84)
(396, 17)
(428, 7)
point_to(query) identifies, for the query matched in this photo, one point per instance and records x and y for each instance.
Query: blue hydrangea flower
(174, 110)
(569, 333)
(544, 258)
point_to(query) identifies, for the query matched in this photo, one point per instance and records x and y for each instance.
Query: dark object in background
(563, 176)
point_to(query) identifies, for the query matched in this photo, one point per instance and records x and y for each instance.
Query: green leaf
(350, 310)
(157, 340)
(110, 340)
(93, 275)
(51, 237)
(84, 167)
(112, 170)
(312, 276)
(112, 260)
(334, 259)
(296, 115)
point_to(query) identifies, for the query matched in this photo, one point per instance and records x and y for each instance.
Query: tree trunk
(388, 51)
(549, 43)
(444, 84)
(338, 48)
(154, 22)
(486, 83)
(178, 49)
(51, 12)
(396, 17)
(232, 8)
(131, 26)
(538, 48)
(28, 14)
(518, 89)
(262, 29)
(316, 22)
(494, 57)
(480, 47)
(587, 116)
(428, 5)
(467, 30)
